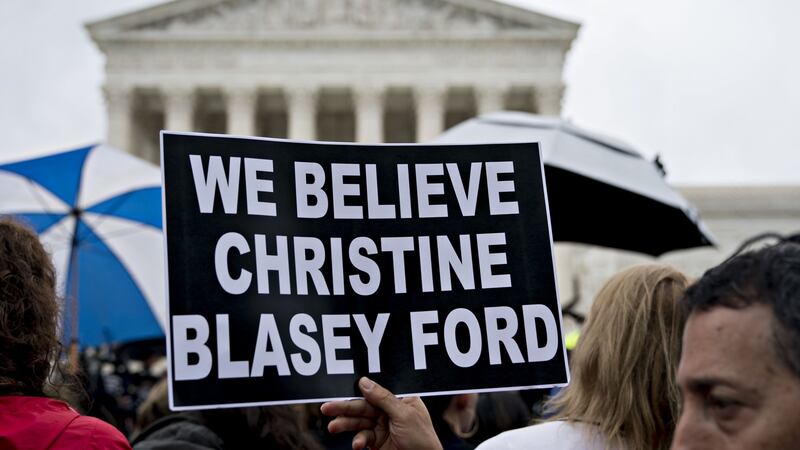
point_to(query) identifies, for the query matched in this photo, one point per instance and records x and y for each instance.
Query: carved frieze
(254, 16)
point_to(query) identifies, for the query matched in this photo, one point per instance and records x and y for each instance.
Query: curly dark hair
(29, 343)
(768, 276)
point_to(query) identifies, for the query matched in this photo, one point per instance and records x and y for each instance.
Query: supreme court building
(338, 70)
(374, 71)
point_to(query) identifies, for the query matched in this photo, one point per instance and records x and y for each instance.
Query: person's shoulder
(177, 431)
(92, 433)
(548, 435)
(41, 422)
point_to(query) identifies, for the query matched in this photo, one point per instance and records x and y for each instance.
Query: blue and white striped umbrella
(98, 213)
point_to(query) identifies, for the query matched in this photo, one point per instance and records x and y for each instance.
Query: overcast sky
(710, 85)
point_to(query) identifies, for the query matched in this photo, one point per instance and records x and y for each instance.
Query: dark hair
(29, 342)
(260, 427)
(766, 276)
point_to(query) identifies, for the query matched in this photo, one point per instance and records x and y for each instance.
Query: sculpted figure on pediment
(336, 12)
(276, 14)
(303, 12)
(265, 15)
(363, 12)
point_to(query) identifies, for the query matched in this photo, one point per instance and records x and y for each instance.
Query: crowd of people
(662, 362)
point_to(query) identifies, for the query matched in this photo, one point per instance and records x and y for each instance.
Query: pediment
(255, 17)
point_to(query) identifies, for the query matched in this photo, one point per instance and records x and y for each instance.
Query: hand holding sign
(383, 421)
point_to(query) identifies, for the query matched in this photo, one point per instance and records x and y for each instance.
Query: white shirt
(557, 435)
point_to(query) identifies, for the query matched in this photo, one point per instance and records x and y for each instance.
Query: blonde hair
(623, 367)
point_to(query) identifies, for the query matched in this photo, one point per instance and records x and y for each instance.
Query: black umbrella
(600, 191)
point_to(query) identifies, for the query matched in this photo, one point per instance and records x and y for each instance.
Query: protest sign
(294, 268)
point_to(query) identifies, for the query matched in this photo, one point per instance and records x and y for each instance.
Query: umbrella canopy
(600, 190)
(98, 213)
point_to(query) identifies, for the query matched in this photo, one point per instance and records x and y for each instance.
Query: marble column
(119, 105)
(430, 107)
(548, 99)
(369, 114)
(179, 108)
(302, 104)
(490, 98)
(241, 106)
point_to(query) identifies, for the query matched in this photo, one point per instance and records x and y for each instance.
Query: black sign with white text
(294, 268)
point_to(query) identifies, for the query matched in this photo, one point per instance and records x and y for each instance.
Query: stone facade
(346, 70)
(374, 71)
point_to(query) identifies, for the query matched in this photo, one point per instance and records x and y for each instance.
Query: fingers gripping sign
(383, 421)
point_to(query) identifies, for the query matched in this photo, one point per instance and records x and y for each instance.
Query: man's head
(28, 311)
(740, 369)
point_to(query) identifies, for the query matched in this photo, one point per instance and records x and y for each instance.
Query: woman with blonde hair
(623, 394)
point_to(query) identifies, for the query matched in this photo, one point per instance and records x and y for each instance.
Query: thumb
(380, 397)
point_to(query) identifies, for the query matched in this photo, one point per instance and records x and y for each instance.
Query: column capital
(368, 92)
(241, 92)
(178, 92)
(430, 92)
(491, 89)
(118, 94)
(310, 91)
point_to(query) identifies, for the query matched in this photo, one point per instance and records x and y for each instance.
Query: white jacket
(557, 435)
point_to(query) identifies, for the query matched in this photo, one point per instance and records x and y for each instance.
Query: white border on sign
(333, 399)
(168, 330)
(555, 273)
(174, 407)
